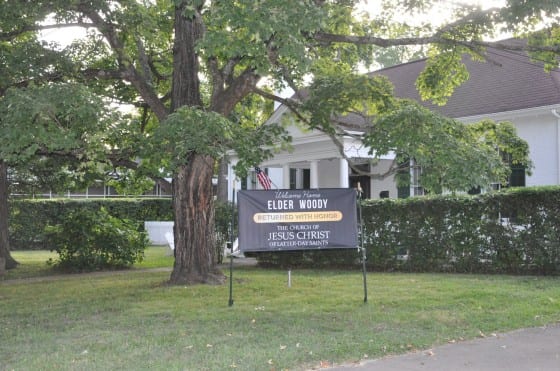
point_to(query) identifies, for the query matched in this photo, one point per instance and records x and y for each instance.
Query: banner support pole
(361, 234)
(230, 243)
(230, 301)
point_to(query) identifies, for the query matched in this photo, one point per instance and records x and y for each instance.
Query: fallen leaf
(481, 334)
(189, 347)
(253, 320)
(270, 362)
(324, 364)
(430, 353)
(282, 347)
(298, 345)
(209, 345)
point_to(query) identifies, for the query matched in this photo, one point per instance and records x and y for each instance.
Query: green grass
(34, 263)
(133, 320)
(156, 257)
(31, 264)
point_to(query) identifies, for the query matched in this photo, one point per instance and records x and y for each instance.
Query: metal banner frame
(283, 220)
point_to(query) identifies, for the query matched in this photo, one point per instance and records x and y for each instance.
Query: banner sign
(297, 219)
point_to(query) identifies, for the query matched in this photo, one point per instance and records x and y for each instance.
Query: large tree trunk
(192, 185)
(6, 260)
(195, 253)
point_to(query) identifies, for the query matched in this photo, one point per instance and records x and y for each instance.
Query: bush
(513, 231)
(28, 218)
(87, 240)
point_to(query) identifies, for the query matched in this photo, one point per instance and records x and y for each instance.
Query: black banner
(297, 219)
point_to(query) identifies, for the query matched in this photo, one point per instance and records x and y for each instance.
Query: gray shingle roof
(508, 81)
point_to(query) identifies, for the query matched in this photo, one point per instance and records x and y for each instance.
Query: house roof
(507, 81)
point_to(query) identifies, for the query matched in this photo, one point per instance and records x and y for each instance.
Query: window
(517, 176)
(403, 192)
(293, 178)
(416, 173)
(306, 178)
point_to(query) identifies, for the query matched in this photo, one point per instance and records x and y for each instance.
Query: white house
(509, 86)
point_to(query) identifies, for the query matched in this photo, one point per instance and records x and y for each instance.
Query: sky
(65, 36)
(439, 14)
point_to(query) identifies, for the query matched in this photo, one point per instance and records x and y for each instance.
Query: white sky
(438, 14)
(66, 35)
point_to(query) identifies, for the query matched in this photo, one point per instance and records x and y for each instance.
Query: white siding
(328, 173)
(380, 185)
(542, 136)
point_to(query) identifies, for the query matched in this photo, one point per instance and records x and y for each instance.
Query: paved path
(533, 349)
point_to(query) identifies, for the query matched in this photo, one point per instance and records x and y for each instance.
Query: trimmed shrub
(513, 231)
(89, 240)
(28, 218)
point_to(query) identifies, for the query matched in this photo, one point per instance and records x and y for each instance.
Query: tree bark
(6, 260)
(195, 253)
(186, 83)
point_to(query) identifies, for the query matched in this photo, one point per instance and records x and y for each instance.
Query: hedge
(28, 218)
(513, 231)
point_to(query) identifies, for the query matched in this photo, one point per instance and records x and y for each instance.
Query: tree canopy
(190, 65)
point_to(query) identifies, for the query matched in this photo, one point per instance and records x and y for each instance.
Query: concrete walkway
(533, 349)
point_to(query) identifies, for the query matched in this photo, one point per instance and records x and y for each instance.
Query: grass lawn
(34, 263)
(134, 321)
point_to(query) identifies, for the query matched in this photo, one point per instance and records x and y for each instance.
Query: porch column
(233, 183)
(286, 176)
(343, 173)
(313, 174)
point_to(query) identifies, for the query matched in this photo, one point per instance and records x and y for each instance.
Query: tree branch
(129, 72)
(292, 105)
(52, 77)
(329, 38)
(114, 158)
(241, 86)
